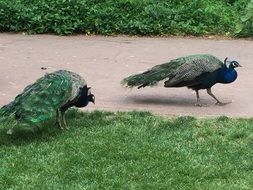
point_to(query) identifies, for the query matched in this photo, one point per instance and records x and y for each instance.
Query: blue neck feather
(84, 98)
(227, 75)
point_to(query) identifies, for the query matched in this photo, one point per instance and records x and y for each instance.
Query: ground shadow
(25, 136)
(162, 100)
(47, 132)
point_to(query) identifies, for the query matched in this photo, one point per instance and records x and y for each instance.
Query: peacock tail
(39, 101)
(184, 68)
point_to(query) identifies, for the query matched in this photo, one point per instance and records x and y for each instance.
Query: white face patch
(228, 61)
(234, 64)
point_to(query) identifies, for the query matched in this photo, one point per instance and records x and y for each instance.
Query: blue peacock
(194, 71)
(49, 96)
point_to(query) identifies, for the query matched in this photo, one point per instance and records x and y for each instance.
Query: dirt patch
(105, 61)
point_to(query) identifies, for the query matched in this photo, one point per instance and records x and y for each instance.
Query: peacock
(51, 95)
(196, 72)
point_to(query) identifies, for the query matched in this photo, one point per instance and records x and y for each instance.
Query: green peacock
(195, 72)
(51, 95)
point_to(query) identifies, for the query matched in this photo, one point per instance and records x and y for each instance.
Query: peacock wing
(192, 67)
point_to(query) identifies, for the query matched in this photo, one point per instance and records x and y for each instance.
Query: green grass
(131, 17)
(134, 150)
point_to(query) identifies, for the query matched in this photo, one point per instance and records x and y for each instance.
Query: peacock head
(91, 96)
(231, 64)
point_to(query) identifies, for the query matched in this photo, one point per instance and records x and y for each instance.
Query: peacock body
(50, 95)
(194, 71)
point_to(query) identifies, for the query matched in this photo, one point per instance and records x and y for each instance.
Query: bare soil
(105, 61)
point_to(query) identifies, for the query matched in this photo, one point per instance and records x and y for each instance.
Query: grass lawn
(134, 150)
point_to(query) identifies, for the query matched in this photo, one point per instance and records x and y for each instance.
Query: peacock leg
(198, 102)
(64, 120)
(59, 118)
(209, 91)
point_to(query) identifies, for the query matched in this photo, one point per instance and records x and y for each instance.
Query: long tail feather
(7, 114)
(6, 110)
(152, 76)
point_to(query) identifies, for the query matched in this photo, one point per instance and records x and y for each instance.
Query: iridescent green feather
(183, 68)
(40, 100)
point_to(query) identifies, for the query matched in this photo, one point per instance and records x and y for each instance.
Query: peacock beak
(239, 65)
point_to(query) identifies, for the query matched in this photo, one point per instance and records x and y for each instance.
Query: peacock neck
(83, 100)
(227, 75)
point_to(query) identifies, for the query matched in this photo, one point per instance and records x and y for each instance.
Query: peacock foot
(66, 127)
(198, 104)
(58, 125)
(222, 103)
(61, 125)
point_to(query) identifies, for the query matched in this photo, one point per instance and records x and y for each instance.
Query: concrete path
(105, 61)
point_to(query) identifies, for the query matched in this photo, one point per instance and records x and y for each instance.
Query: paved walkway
(105, 61)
